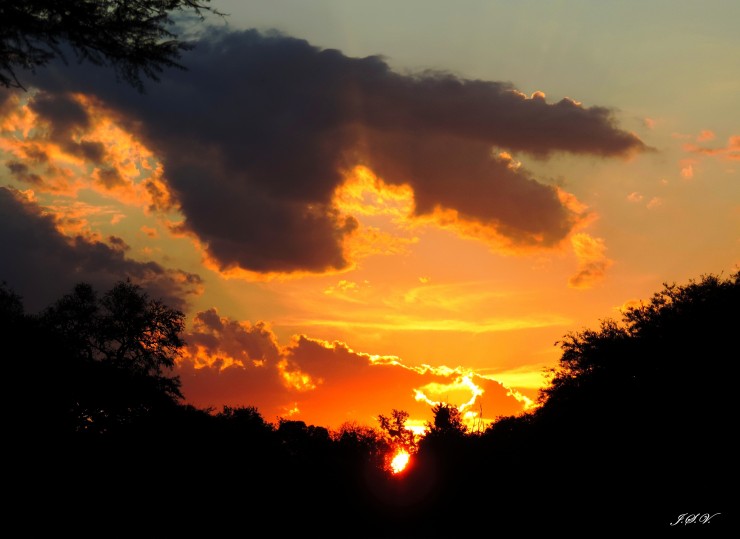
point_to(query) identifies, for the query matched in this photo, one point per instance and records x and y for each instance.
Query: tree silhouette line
(633, 429)
(138, 39)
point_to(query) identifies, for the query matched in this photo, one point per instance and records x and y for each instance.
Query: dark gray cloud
(254, 137)
(8, 101)
(67, 119)
(41, 264)
(22, 172)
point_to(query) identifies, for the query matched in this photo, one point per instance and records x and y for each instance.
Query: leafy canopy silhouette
(394, 428)
(668, 349)
(119, 348)
(135, 37)
(448, 421)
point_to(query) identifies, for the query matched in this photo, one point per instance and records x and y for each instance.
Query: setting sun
(400, 461)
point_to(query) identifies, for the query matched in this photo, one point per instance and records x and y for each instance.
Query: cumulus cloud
(257, 135)
(41, 264)
(241, 364)
(219, 341)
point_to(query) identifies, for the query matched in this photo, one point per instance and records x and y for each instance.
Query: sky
(366, 206)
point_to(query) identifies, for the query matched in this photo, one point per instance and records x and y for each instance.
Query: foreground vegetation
(633, 430)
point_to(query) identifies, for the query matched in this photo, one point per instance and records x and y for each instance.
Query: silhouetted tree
(119, 350)
(631, 410)
(135, 37)
(447, 421)
(246, 419)
(664, 356)
(40, 378)
(395, 429)
(11, 306)
(361, 442)
(301, 440)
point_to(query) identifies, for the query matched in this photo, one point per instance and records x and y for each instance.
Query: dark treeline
(633, 430)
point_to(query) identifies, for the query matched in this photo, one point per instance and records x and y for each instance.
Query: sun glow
(400, 461)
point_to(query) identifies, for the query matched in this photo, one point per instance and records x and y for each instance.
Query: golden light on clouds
(73, 217)
(363, 193)
(63, 159)
(451, 220)
(370, 240)
(243, 360)
(460, 388)
(592, 260)
(369, 199)
(17, 118)
(401, 322)
(295, 379)
(386, 225)
(132, 177)
(730, 152)
(520, 244)
(511, 163)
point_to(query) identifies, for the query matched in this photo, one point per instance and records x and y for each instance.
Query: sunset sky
(363, 206)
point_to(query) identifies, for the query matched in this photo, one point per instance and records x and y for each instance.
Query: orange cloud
(74, 218)
(348, 290)
(592, 261)
(637, 198)
(654, 203)
(215, 340)
(687, 167)
(649, 123)
(490, 233)
(367, 241)
(16, 118)
(237, 363)
(66, 143)
(149, 231)
(731, 152)
(363, 193)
